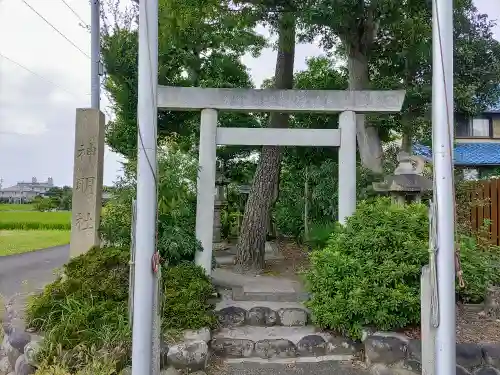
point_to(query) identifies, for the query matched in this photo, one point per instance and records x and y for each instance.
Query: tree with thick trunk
(251, 243)
(387, 45)
(369, 144)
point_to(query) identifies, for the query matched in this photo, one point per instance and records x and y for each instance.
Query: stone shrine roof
(412, 183)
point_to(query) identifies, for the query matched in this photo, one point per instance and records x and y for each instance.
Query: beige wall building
(25, 191)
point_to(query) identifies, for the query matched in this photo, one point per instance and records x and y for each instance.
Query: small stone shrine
(407, 184)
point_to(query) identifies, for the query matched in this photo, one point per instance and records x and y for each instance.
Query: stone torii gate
(211, 100)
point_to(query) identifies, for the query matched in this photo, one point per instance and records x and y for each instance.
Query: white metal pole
(347, 165)
(145, 280)
(442, 126)
(428, 332)
(95, 53)
(206, 188)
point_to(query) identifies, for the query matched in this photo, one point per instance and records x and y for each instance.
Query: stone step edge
(238, 294)
(224, 260)
(266, 314)
(272, 305)
(386, 350)
(279, 342)
(292, 361)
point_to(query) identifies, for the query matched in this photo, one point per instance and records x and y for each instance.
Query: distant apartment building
(24, 192)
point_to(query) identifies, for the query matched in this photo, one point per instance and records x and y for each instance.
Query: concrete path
(322, 368)
(23, 274)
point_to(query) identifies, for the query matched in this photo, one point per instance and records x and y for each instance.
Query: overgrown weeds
(87, 310)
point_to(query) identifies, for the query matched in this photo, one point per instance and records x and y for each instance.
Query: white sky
(37, 118)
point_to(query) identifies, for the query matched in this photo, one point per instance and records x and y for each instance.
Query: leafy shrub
(481, 268)
(369, 273)
(181, 246)
(176, 205)
(43, 204)
(116, 217)
(230, 222)
(87, 309)
(187, 291)
(320, 233)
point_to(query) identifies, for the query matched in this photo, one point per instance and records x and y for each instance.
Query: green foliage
(468, 196)
(230, 222)
(56, 198)
(369, 273)
(204, 39)
(61, 198)
(87, 309)
(16, 206)
(481, 268)
(116, 219)
(322, 194)
(176, 205)
(35, 220)
(394, 42)
(42, 204)
(95, 363)
(320, 233)
(187, 290)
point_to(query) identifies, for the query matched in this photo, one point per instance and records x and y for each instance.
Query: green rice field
(35, 220)
(16, 207)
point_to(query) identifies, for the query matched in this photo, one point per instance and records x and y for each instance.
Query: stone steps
(254, 343)
(261, 313)
(239, 294)
(262, 319)
(259, 288)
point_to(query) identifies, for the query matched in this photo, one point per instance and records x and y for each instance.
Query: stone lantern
(220, 201)
(407, 184)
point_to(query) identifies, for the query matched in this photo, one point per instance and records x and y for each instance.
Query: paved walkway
(23, 274)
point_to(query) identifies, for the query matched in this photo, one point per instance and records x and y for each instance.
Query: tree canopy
(377, 44)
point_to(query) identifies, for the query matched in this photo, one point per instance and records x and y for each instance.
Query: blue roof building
(477, 143)
(467, 154)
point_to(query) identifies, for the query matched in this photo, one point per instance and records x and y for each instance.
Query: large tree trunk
(251, 243)
(370, 146)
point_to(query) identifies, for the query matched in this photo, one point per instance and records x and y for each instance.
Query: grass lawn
(16, 207)
(22, 241)
(11, 220)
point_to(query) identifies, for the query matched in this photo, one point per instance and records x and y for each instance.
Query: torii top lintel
(270, 100)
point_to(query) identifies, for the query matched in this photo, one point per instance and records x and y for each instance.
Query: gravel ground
(295, 261)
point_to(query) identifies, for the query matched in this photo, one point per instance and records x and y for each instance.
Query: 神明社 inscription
(87, 180)
(84, 221)
(87, 150)
(85, 185)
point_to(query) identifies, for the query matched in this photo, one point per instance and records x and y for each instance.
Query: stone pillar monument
(87, 180)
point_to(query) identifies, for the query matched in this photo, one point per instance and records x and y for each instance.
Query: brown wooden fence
(485, 201)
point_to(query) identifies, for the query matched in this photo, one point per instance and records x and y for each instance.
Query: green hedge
(368, 274)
